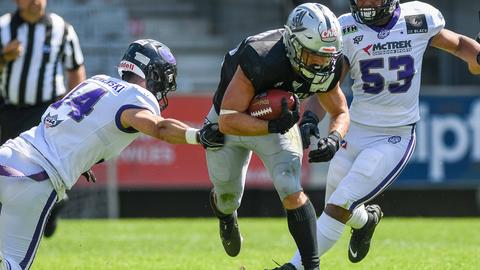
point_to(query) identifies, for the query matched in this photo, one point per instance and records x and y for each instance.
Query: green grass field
(148, 244)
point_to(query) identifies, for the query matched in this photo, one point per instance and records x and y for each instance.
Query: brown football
(268, 105)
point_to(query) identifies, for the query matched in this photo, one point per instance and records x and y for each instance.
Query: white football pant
(27, 197)
(369, 160)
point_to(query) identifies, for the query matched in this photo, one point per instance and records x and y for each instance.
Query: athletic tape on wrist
(223, 112)
(191, 135)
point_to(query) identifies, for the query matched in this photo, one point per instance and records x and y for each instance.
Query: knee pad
(367, 162)
(286, 177)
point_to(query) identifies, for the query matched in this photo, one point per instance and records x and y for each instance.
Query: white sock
(329, 231)
(359, 217)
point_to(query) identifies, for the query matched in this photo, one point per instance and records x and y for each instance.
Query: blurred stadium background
(154, 179)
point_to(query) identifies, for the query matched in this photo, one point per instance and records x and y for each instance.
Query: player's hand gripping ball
(268, 105)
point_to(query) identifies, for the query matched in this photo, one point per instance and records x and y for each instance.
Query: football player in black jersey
(303, 58)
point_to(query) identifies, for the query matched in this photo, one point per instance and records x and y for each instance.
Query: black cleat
(287, 266)
(51, 224)
(229, 232)
(361, 238)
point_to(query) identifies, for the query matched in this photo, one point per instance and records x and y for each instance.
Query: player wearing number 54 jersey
(92, 123)
(384, 43)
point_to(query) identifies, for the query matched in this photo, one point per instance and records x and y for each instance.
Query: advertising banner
(148, 162)
(448, 143)
(447, 152)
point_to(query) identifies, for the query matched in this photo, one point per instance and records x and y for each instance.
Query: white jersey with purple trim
(386, 63)
(84, 128)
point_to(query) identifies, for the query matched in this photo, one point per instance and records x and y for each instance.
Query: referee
(36, 48)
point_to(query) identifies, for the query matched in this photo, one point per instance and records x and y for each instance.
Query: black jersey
(263, 60)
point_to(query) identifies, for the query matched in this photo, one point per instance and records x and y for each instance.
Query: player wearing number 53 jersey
(384, 43)
(92, 123)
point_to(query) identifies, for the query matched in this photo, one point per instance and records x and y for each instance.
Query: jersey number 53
(374, 82)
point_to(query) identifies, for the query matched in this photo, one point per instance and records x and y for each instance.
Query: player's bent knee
(286, 178)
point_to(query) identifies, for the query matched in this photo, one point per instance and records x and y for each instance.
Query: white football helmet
(312, 29)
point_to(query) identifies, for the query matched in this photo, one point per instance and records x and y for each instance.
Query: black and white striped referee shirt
(49, 45)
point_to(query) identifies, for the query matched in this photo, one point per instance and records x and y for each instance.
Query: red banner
(148, 162)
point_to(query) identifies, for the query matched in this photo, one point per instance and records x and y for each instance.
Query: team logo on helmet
(329, 35)
(167, 55)
(297, 22)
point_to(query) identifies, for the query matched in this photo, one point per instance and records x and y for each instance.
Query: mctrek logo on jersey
(391, 47)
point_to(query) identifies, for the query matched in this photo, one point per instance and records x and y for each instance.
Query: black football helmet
(154, 62)
(373, 15)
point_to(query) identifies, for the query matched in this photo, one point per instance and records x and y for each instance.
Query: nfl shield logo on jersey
(383, 33)
(394, 139)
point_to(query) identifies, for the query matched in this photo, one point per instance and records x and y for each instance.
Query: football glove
(287, 118)
(478, 40)
(327, 147)
(309, 127)
(210, 136)
(89, 176)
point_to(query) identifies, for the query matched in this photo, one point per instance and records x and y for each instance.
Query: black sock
(303, 227)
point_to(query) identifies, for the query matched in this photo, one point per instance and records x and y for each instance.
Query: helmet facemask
(300, 55)
(373, 15)
(160, 80)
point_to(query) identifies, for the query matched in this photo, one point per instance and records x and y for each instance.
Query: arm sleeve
(73, 53)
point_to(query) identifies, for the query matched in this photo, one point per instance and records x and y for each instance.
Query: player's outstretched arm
(461, 46)
(169, 130)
